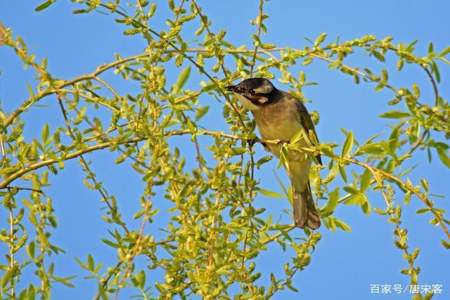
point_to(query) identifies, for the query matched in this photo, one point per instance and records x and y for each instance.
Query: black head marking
(257, 90)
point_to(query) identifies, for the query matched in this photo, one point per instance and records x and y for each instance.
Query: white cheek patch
(246, 103)
(266, 88)
(262, 99)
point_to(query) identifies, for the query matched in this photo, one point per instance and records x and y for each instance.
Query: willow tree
(214, 234)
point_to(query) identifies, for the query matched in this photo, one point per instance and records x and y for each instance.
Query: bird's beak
(234, 89)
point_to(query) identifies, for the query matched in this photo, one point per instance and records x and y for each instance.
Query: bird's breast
(278, 123)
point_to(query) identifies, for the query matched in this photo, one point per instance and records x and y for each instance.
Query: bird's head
(253, 92)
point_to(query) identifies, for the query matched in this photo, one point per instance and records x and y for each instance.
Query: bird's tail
(305, 212)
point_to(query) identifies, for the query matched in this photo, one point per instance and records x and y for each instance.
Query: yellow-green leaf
(181, 81)
(444, 52)
(365, 180)
(44, 133)
(44, 5)
(333, 198)
(394, 114)
(320, 39)
(269, 193)
(347, 145)
(342, 225)
(443, 156)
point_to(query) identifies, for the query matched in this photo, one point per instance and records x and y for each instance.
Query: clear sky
(344, 264)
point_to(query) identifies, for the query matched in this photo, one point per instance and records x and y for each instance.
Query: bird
(281, 117)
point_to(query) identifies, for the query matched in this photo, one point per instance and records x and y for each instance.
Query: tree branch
(55, 89)
(258, 36)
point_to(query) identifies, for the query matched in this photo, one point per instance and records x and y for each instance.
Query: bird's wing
(308, 126)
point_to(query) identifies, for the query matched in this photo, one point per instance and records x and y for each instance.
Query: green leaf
(31, 249)
(299, 136)
(430, 48)
(301, 77)
(366, 207)
(343, 173)
(365, 180)
(152, 10)
(44, 133)
(7, 277)
(351, 189)
(65, 280)
(373, 148)
(332, 173)
(307, 61)
(267, 46)
(91, 263)
(270, 193)
(263, 160)
(407, 198)
(109, 243)
(422, 211)
(342, 225)
(326, 150)
(329, 208)
(411, 46)
(384, 76)
(330, 223)
(181, 81)
(320, 39)
(201, 111)
(347, 145)
(400, 64)
(359, 199)
(394, 114)
(436, 72)
(44, 5)
(446, 244)
(444, 52)
(378, 56)
(443, 156)
(80, 11)
(140, 279)
(425, 184)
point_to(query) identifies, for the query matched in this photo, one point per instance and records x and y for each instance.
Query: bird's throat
(248, 103)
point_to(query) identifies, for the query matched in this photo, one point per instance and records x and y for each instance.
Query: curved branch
(70, 156)
(433, 83)
(375, 171)
(53, 90)
(406, 186)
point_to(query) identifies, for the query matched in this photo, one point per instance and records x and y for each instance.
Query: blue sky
(344, 264)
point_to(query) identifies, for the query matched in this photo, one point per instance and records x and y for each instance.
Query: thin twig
(111, 143)
(258, 36)
(200, 68)
(104, 283)
(395, 217)
(134, 251)
(419, 142)
(85, 165)
(12, 261)
(433, 83)
(225, 73)
(108, 86)
(376, 172)
(20, 188)
(55, 89)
